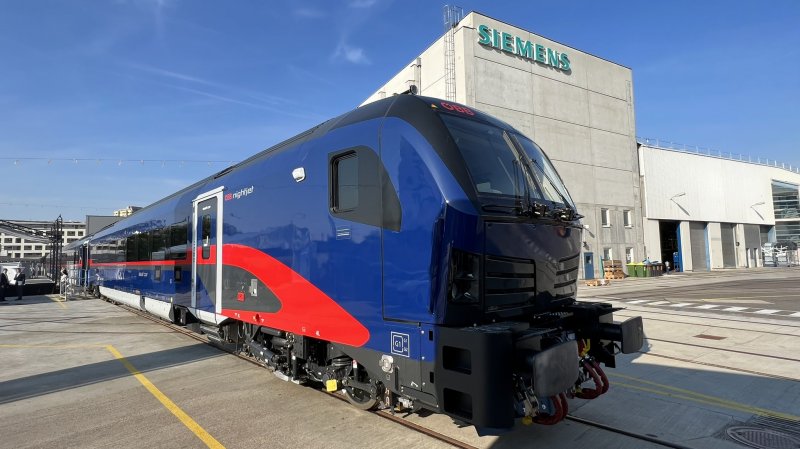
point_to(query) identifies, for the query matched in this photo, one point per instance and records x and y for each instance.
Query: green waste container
(648, 270)
(631, 269)
(639, 270)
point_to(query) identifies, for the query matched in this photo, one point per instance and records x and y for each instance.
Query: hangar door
(697, 237)
(752, 243)
(728, 245)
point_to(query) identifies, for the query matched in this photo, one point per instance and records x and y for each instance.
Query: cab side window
(345, 173)
(360, 189)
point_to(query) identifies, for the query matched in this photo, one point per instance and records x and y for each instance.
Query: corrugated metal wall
(728, 245)
(752, 236)
(697, 238)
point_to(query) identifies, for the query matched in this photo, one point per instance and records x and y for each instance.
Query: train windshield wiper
(535, 209)
(502, 207)
(566, 213)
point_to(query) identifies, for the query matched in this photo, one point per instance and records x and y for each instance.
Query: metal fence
(664, 144)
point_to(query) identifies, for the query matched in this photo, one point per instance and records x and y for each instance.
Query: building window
(627, 217)
(605, 218)
(27, 247)
(607, 254)
(786, 203)
(629, 255)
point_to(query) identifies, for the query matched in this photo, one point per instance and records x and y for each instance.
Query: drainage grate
(761, 438)
(710, 337)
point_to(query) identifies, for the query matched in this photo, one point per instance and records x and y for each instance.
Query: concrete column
(686, 246)
(652, 240)
(741, 251)
(715, 245)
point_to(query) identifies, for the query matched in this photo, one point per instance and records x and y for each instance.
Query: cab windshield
(545, 172)
(503, 164)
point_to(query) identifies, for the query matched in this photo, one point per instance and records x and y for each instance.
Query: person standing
(62, 282)
(3, 284)
(19, 279)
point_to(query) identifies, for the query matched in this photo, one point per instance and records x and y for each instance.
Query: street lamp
(677, 195)
(760, 203)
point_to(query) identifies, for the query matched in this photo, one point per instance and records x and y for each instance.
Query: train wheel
(360, 398)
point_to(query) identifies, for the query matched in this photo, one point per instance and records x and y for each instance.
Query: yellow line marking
(52, 346)
(699, 397)
(58, 301)
(166, 402)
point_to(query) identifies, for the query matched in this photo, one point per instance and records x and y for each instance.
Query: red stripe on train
(305, 309)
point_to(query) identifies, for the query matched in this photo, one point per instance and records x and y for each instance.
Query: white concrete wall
(716, 189)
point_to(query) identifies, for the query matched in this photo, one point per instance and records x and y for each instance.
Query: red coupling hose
(549, 420)
(603, 377)
(591, 393)
(565, 406)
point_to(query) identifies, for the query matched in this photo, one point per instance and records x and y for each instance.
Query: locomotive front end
(514, 341)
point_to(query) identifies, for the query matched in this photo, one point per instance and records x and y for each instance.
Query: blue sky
(166, 81)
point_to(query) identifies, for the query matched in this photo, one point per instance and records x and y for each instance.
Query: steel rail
(391, 417)
(385, 415)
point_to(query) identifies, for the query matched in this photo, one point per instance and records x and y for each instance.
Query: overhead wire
(118, 161)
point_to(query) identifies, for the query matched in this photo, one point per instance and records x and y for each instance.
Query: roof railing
(664, 144)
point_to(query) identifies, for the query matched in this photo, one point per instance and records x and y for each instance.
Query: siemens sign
(521, 47)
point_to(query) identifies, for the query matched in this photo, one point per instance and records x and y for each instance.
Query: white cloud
(221, 92)
(354, 55)
(362, 3)
(309, 13)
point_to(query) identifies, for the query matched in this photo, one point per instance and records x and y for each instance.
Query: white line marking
(658, 303)
(708, 306)
(767, 311)
(681, 304)
(794, 314)
(735, 309)
(639, 301)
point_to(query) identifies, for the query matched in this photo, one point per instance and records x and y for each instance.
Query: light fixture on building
(677, 195)
(760, 203)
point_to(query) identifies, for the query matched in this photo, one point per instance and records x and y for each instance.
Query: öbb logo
(239, 194)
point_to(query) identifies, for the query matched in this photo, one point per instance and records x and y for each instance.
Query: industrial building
(639, 202)
(716, 211)
(578, 107)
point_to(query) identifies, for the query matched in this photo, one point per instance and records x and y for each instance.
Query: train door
(207, 255)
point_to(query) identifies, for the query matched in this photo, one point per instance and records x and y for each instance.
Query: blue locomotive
(411, 252)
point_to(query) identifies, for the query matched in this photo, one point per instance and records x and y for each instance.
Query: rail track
(397, 419)
(706, 317)
(715, 348)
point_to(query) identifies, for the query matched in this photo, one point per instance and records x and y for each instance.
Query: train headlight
(465, 277)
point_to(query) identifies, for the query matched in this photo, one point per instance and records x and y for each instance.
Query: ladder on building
(452, 15)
